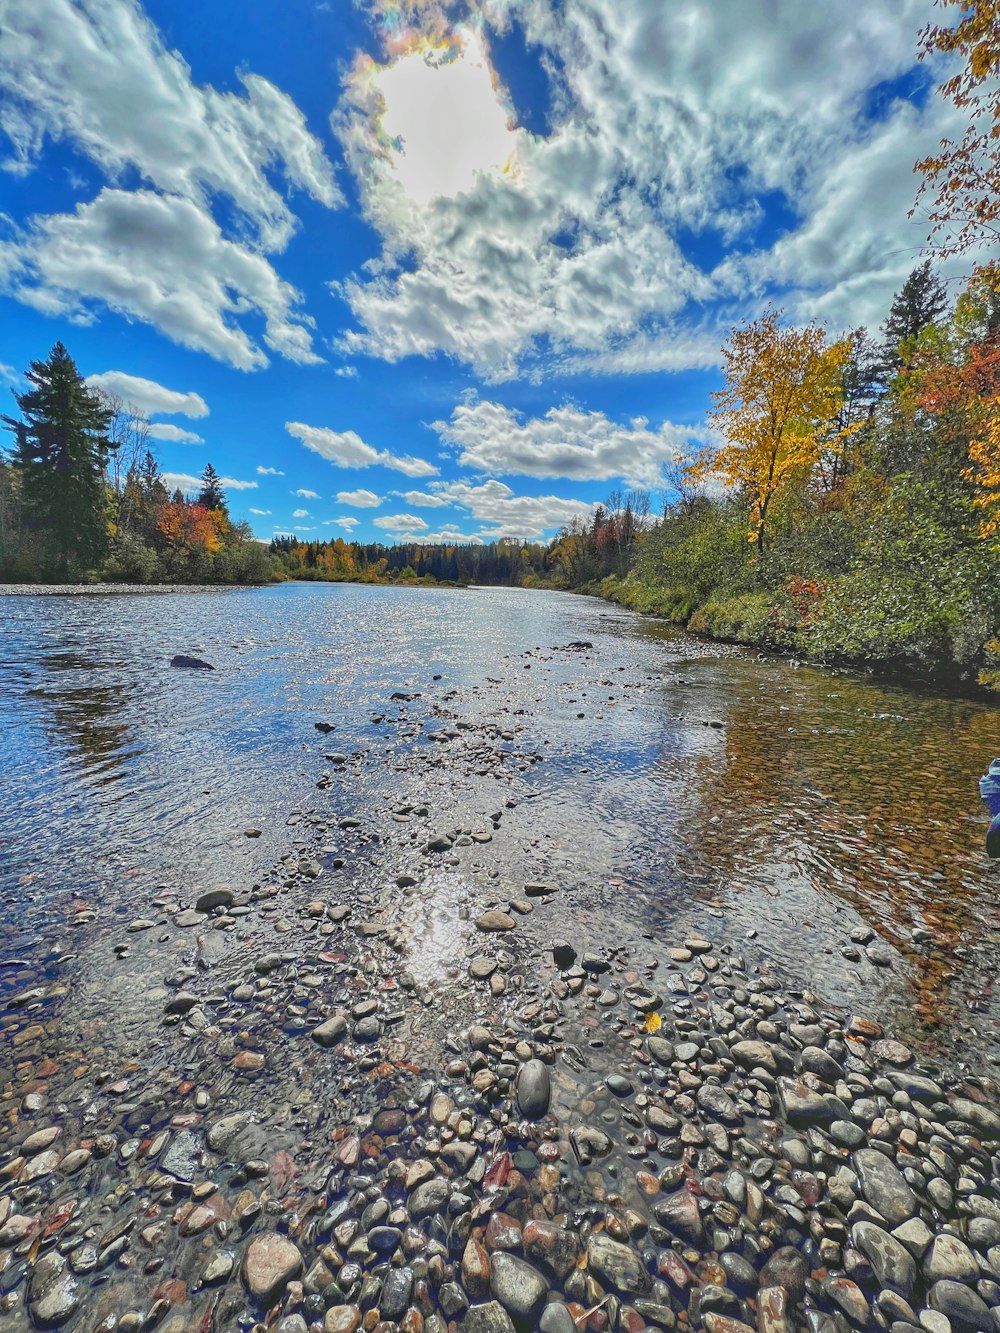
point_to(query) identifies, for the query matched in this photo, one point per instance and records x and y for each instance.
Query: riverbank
(398, 1078)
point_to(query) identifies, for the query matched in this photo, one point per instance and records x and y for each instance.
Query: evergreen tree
(211, 495)
(61, 454)
(921, 301)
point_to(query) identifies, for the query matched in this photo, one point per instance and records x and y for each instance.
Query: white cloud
(186, 482)
(566, 442)
(306, 495)
(451, 537)
(164, 430)
(400, 522)
(163, 260)
(149, 397)
(360, 499)
(96, 72)
(348, 523)
(345, 448)
(261, 513)
(347, 372)
(8, 375)
(422, 499)
(269, 471)
(676, 130)
(510, 515)
(300, 513)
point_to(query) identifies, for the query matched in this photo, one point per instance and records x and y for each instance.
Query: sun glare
(445, 119)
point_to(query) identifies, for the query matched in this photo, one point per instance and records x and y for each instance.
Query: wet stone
(53, 1292)
(488, 1318)
(883, 1186)
(617, 1265)
(270, 1262)
(533, 1089)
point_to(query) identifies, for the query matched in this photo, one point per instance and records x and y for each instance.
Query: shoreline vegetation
(846, 511)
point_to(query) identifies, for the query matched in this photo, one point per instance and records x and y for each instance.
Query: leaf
(653, 1022)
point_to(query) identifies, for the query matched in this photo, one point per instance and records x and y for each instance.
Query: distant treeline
(501, 562)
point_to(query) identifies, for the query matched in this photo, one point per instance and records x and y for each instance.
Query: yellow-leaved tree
(984, 474)
(964, 175)
(778, 411)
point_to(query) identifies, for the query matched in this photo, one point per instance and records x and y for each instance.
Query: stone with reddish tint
(476, 1270)
(553, 1247)
(269, 1264)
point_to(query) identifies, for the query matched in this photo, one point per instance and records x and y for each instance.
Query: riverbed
(414, 815)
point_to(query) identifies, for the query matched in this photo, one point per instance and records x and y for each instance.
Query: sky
(447, 271)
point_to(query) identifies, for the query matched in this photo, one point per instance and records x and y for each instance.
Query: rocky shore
(393, 1090)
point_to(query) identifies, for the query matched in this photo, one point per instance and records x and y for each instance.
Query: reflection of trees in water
(86, 711)
(865, 793)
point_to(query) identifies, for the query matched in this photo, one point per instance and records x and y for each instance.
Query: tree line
(82, 496)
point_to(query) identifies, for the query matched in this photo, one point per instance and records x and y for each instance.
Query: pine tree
(61, 454)
(211, 495)
(921, 301)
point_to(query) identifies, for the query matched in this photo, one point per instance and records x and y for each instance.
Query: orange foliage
(189, 526)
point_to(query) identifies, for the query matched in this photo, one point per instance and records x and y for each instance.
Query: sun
(444, 119)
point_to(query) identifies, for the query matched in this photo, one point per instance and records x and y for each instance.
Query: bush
(753, 618)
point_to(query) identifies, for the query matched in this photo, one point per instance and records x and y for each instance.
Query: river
(822, 803)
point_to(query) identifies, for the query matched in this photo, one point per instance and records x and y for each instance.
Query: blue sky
(445, 269)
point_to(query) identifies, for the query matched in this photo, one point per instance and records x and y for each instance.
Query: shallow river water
(679, 784)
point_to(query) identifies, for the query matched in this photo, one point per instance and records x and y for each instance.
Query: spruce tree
(921, 301)
(61, 453)
(211, 495)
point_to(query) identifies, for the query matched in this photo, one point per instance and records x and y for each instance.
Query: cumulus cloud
(269, 471)
(675, 130)
(149, 397)
(96, 72)
(506, 514)
(300, 513)
(345, 448)
(163, 260)
(565, 442)
(165, 430)
(360, 499)
(186, 482)
(400, 522)
(306, 495)
(422, 499)
(348, 523)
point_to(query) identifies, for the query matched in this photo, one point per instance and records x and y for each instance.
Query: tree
(920, 302)
(211, 495)
(778, 411)
(61, 455)
(964, 176)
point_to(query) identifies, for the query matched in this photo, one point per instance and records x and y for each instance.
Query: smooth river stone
(534, 1090)
(269, 1264)
(883, 1186)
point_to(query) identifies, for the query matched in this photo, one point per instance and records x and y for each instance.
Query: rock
(772, 1310)
(950, 1258)
(40, 1140)
(397, 1288)
(551, 1246)
(680, 1215)
(533, 1089)
(219, 1268)
(431, 1197)
(711, 1097)
(53, 1292)
(182, 1156)
(482, 968)
(883, 1186)
(787, 1269)
(617, 1265)
(985, 1120)
(488, 1318)
(556, 1318)
(518, 1287)
(475, 1270)
(803, 1105)
(661, 1050)
(194, 663)
(220, 897)
(588, 1142)
(563, 955)
(619, 1085)
(331, 1031)
(342, 1319)
(189, 917)
(892, 1262)
(967, 1312)
(181, 1003)
(495, 921)
(849, 1298)
(224, 1131)
(270, 1262)
(753, 1053)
